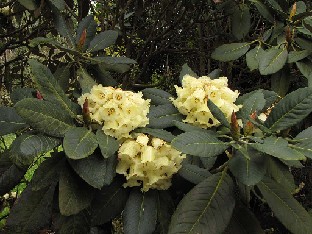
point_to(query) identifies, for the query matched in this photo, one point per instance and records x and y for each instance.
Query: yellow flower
(119, 111)
(148, 162)
(194, 94)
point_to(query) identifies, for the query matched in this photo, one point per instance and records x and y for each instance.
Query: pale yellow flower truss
(119, 111)
(149, 161)
(193, 97)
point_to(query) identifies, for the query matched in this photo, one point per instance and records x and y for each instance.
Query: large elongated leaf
(108, 203)
(290, 110)
(272, 60)
(74, 194)
(218, 114)
(21, 93)
(62, 28)
(189, 127)
(263, 10)
(248, 171)
(240, 21)
(79, 143)
(159, 133)
(85, 80)
(280, 81)
(162, 116)
(285, 207)
(103, 40)
(229, 52)
(199, 144)
(254, 103)
(10, 121)
(108, 144)
(75, 224)
(32, 211)
(165, 209)
(89, 25)
(252, 57)
(186, 70)
(295, 56)
(95, 170)
(59, 4)
(193, 173)
(28, 4)
(44, 116)
(277, 147)
(304, 144)
(140, 214)
(26, 147)
(305, 67)
(157, 96)
(50, 89)
(208, 206)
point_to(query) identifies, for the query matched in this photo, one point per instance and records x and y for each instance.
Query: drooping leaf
(288, 210)
(304, 144)
(48, 172)
(248, 171)
(229, 52)
(280, 81)
(252, 57)
(21, 93)
(95, 170)
(157, 96)
(74, 194)
(193, 173)
(10, 121)
(165, 209)
(272, 60)
(79, 143)
(162, 116)
(240, 21)
(26, 147)
(32, 211)
(305, 67)
(159, 133)
(295, 56)
(218, 114)
(103, 40)
(243, 221)
(75, 224)
(44, 116)
(89, 25)
(281, 174)
(186, 70)
(208, 206)
(140, 213)
(277, 147)
(294, 107)
(108, 203)
(200, 144)
(263, 10)
(108, 145)
(50, 89)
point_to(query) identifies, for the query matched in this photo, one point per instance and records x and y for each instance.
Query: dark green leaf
(193, 173)
(157, 96)
(62, 75)
(50, 89)
(113, 60)
(272, 60)
(62, 28)
(159, 133)
(254, 103)
(218, 114)
(243, 221)
(79, 143)
(89, 25)
(162, 116)
(74, 194)
(304, 144)
(200, 144)
(304, 43)
(108, 145)
(165, 209)
(48, 172)
(280, 81)
(75, 224)
(295, 56)
(103, 40)
(85, 80)
(10, 121)
(140, 214)
(248, 171)
(108, 203)
(95, 170)
(293, 108)
(275, 5)
(59, 4)
(29, 4)
(263, 10)
(277, 147)
(305, 67)
(115, 67)
(252, 57)
(240, 21)
(104, 77)
(186, 70)
(208, 163)
(44, 116)
(26, 147)
(208, 206)
(229, 52)
(32, 211)
(188, 127)
(289, 211)
(21, 93)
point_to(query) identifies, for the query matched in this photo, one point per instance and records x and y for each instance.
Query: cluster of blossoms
(193, 97)
(148, 161)
(119, 111)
